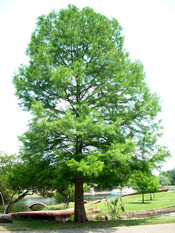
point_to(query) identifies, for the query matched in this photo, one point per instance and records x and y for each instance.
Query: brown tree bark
(5, 218)
(3, 203)
(12, 202)
(143, 198)
(79, 213)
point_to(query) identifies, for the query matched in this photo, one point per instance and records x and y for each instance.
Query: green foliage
(65, 194)
(88, 166)
(144, 182)
(164, 180)
(23, 176)
(93, 113)
(115, 205)
(6, 163)
(19, 179)
(170, 174)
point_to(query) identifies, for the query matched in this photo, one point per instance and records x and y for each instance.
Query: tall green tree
(93, 113)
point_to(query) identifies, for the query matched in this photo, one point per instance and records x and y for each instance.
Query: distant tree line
(167, 178)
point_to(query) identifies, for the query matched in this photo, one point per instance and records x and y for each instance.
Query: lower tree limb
(79, 213)
(19, 197)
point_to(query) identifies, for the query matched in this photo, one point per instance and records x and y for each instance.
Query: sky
(149, 31)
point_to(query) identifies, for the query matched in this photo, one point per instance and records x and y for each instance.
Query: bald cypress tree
(93, 113)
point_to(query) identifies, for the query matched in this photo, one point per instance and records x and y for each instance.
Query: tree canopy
(94, 117)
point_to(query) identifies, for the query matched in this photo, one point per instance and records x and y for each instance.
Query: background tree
(9, 190)
(170, 174)
(65, 193)
(19, 179)
(25, 179)
(144, 182)
(153, 185)
(93, 113)
(164, 180)
(6, 161)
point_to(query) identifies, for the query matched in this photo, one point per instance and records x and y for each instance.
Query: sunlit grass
(134, 203)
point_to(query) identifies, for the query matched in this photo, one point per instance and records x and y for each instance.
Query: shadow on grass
(140, 203)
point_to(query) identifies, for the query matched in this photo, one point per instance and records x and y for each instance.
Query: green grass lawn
(131, 203)
(134, 203)
(164, 199)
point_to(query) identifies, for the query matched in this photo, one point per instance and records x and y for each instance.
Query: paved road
(159, 228)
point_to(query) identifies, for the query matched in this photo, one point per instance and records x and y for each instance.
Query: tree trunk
(3, 203)
(8, 207)
(151, 197)
(79, 213)
(142, 197)
(12, 202)
(5, 218)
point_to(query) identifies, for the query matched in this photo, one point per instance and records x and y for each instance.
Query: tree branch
(11, 203)
(62, 59)
(68, 99)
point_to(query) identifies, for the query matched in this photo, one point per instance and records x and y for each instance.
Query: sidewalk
(159, 228)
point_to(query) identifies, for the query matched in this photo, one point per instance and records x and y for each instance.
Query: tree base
(79, 213)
